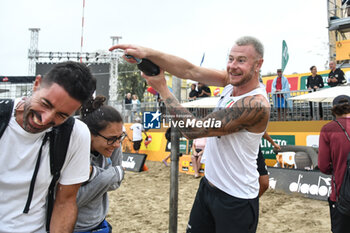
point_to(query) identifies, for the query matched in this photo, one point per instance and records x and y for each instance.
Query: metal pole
(174, 169)
(113, 70)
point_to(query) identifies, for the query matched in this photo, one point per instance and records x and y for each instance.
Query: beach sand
(141, 205)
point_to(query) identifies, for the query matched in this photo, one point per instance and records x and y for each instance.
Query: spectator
(334, 147)
(263, 174)
(203, 90)
(336, 76)
(280, 90)
(137, 129)
(193, 94)
(197, 152)
(25, 152)
(314, 83)
(136, 105)
(106, 173)
(231, 177)
(128, 101)
(168, 138)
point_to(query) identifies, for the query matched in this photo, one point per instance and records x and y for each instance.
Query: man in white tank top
(227, 198)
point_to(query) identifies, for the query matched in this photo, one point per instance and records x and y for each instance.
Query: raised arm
(177, 66)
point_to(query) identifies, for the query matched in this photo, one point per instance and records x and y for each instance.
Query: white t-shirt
(230, 160)
(137, 129)
(18, 156)
(135, 104)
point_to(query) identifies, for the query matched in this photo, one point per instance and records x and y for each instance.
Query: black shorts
(261, 164)
(216, 211)
(137, 145)
(198, 150)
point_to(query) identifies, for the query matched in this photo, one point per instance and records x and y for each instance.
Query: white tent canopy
(207, 102)
(325, 95)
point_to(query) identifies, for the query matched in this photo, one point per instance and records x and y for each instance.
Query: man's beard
(29, 113)
(246, 78)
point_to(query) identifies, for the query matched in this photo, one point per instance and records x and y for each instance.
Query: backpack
(343, 201)
(59, 140)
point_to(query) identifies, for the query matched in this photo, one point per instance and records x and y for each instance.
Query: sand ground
(141, 205)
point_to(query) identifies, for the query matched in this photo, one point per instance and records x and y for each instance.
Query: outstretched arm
(175, 65)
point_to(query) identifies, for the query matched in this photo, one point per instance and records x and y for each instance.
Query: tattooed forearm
(246, 113)
(181, 115)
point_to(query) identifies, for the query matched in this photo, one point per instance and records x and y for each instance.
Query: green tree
(130, 80)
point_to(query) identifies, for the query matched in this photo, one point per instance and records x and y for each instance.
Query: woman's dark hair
(340, 109)
(312, 67)
(97, 116)
(74, 77)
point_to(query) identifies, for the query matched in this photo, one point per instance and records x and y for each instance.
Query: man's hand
(134, 50)
(177, 66)
(158, 83)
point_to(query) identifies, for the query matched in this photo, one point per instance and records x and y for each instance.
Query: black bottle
(145, 65)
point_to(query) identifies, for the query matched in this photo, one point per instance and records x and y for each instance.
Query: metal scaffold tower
(113, 80)
(98, 57)
(338, 25)
(33, 52)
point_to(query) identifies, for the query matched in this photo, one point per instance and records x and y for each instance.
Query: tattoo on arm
(246, 113)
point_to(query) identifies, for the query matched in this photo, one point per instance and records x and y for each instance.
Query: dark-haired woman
(333, 150)
(106, 173)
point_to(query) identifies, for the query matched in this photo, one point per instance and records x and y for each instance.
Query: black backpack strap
(6, 106)
(59, 141)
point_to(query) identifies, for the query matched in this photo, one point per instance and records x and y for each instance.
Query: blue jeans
(104, 227)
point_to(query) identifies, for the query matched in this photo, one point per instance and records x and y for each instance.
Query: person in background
(128, 101)
(197, 152)
(334, 147)
(136, 105)
(203, 90)
(106, 173)
(137, 129)
(280, 90)
(264, 176)
(55, 98)
(168, 138)
(314, 83)
(128, 106)
(336, 76)
(193, 94)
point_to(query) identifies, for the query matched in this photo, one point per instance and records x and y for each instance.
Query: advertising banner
(311, 184)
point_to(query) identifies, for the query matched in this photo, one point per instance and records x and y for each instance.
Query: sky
(186, 28)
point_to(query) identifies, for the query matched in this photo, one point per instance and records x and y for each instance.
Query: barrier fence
(282, 109)
(288, 110)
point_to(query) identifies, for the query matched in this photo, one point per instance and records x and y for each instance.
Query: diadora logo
(151, 120)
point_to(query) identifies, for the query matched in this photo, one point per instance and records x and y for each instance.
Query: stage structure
(339, 32)
(104, 65)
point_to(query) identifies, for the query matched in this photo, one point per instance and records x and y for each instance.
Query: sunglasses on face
(112, 140)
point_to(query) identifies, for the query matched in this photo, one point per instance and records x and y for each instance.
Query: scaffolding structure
(35, 56)
(338, 25)
(33, 52)
(113, 78)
